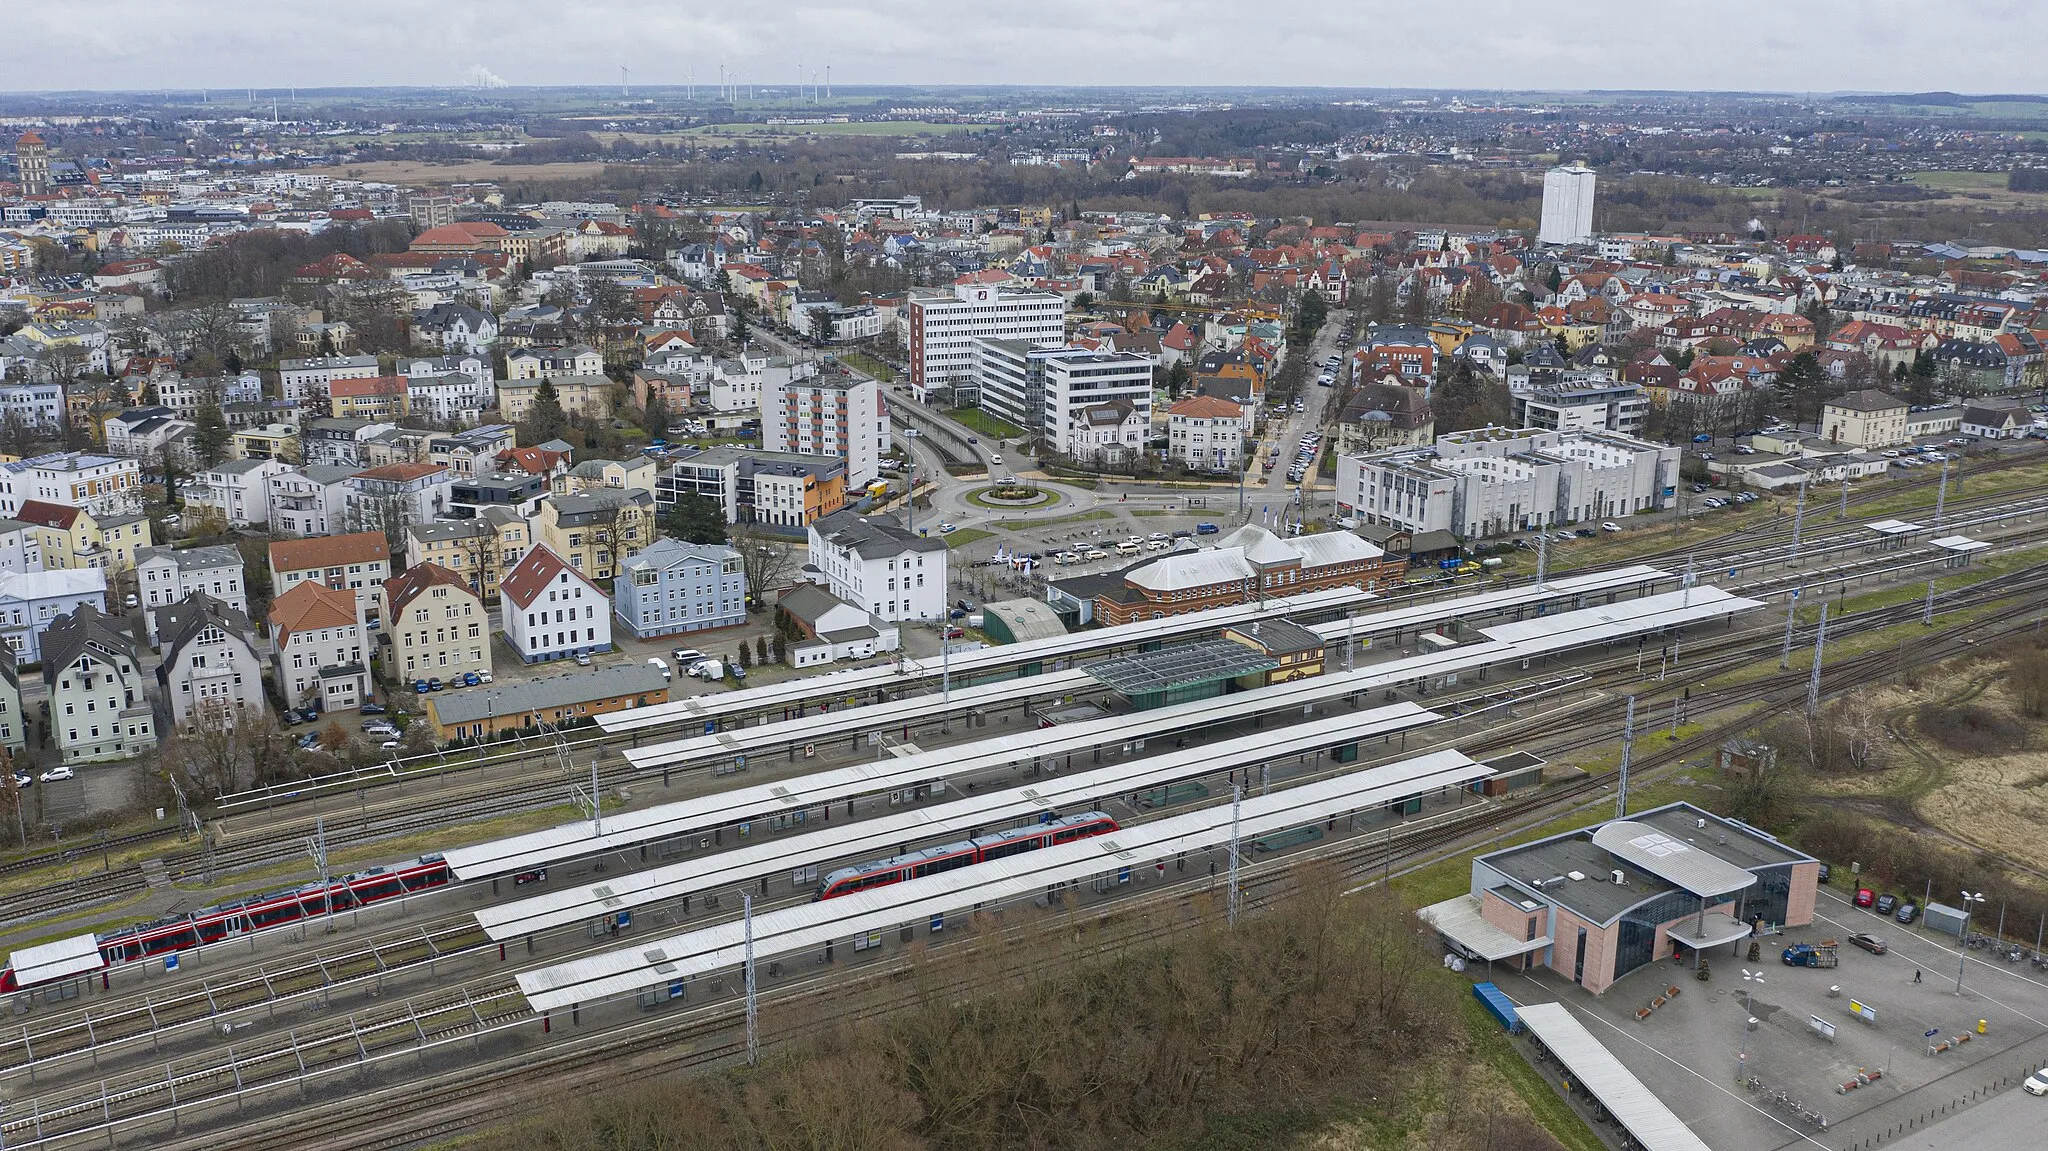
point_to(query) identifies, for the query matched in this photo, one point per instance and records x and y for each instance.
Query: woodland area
(1285, 1026)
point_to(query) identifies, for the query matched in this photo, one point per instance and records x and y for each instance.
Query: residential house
(1865, 419)
(99, 705)
(533, 363)
(596, 530)
(876, 562)
(455, 329)
(1206, 433)
(358, 562)
(29, 601)
(480, 550)
(21, 546)
(210, 663)
(552, 611)
(310, 500)
(672, 587)
(322, 651)
(185, 395)
(638, 473)
(238, 489)
(1107, 435)
(579, 395)
(143, 433)
(377, 398)
(72, 537)
(454, 398)
(1382, 416)
(327, 440)
(266, 442)
(97, 483)
(439, 627)
(832, 629)
(167, 575)
(13, 721)
(389, 497)
(472, 451)
(306, 382)
(1995, 421)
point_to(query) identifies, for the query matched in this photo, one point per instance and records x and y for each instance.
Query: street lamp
(1963, 939)
(1749, 981)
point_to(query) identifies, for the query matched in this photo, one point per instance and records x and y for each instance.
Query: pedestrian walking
(1916, 975)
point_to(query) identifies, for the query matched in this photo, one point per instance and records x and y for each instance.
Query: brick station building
(1244, 566)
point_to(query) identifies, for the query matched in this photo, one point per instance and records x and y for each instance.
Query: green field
(976, 420)
(1961, 181)
(854, 128)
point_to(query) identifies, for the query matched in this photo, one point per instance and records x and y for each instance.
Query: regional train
(228, 920)
(932, 860)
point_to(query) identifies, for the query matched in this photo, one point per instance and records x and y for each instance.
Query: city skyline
(1818, 47)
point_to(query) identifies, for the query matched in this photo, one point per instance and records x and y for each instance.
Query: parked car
(686, 656)
(371, 709)
(1183, 534)
(1885, 903)
(1824, 873)
(21, 779)
(1869, 942)
(483, 677)
(1703, 438)
(57, 773)
(388, 745)
(582, 659)
(2037, 1083)
(1583, 533)
(419, 687)
(1908, 911)
(955, 633)
(309, 741)
(1206, 529)
(1610, 526)
(375, 725)
(434, 685)
(1865, 897)
(471, 679)
(947, 527)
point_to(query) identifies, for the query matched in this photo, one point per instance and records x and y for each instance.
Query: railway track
(702, 1036)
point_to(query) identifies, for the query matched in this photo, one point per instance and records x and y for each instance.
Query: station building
(1597, 903)
(1247, 565)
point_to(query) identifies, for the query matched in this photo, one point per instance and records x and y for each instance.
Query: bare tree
(767, 559)
(390, 514)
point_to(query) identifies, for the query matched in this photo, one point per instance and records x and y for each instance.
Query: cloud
(1769, 45)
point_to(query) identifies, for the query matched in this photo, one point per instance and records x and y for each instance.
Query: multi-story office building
(1567, 205)
(1494, 481)
(829, 414)
(943, 326)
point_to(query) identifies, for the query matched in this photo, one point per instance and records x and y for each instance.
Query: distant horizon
(1885, 47)
(843, 89)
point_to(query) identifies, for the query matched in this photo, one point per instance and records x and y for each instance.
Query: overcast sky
(1778, 45)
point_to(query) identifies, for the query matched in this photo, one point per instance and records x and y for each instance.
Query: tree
(743, 656)
(695, 519)
(761, 649)
(1179, 377)
(210, 435)
(1921, 380)
(654, 417)
(545, 420)
(1310, 314)
(390, 514)
(766, 559)
(1805, 385)
(823, 325)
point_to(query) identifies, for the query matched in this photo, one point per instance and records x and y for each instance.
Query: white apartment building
(1077, 379)
(99, 700)
(1591, 406)
(456, 398)
(551, 610)
(33, 405)
(311, 500)
(185, 395)
(533, 363)
(1495, 481)
(102, 485)
(1206, 432)
(828, 414)
(873, 562)
(306, 381)
(165, 575)
(1567, 205)
(943, 326)
(238, 489)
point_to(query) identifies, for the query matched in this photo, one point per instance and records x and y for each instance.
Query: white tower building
(1567, 205)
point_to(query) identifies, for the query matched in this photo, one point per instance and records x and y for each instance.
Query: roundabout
(1013, 495)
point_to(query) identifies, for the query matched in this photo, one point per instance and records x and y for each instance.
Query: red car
(1865, 897)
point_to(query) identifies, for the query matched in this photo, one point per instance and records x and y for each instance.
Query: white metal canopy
(810, 925)
(1597, 1070)
(882, 835)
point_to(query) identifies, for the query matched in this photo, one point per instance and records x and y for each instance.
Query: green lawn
(976, 420)
(854, 128)
(862, 362)
(966, 536)
(1962, 181)
(1057, 521)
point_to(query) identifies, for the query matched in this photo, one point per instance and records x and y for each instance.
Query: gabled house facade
(210, 663)
(551, 610)
(99, 708)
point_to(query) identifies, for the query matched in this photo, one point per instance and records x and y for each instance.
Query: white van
(1127, 548)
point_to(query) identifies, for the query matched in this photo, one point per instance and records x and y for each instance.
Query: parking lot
(1688, 1050)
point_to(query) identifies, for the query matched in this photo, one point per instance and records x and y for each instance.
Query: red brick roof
(47, 515)
(401, 472)
(329, 551)
(1206, 407)
(310, 605)
(532, 575)
(374, 386)
(407, 585)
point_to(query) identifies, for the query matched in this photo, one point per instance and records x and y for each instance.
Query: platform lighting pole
(753, 1029)
(1350, 646)
(1927, 613)
(1236, 798)
(1798, 520)
(1941, 496)
(1685, 597)
(1820, 639)
(1843, 512)
(596, 802)
(1628, 747)
(317, 848)
(1962, 940)
(1542, 556)
(1749, 980)
(1791, 613)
